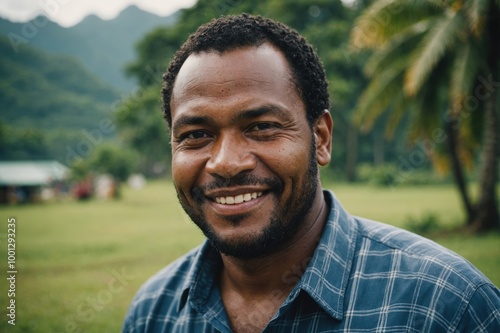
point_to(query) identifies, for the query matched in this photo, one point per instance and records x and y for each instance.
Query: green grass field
(79, 264)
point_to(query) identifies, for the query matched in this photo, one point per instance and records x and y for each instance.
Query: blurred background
(85, 155)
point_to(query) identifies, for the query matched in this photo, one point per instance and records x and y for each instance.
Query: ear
(323, 128)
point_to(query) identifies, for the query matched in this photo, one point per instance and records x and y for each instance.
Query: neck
(280, 271)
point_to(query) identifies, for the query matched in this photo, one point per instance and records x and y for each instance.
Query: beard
(283, 223)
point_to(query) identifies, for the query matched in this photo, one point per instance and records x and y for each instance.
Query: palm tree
(437, 62)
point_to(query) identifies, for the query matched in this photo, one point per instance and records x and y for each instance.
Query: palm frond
(440, 38)
(440, 162)
(397, 47)
(477, 11)
(385, 18)
(463, 75)
(399, 109)
(430, 103)
(379, 94)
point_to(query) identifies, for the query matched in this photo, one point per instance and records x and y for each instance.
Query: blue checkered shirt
(363, 277)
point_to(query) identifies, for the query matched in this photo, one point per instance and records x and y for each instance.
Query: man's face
(243, 154)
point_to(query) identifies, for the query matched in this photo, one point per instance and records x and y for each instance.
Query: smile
(234, 200)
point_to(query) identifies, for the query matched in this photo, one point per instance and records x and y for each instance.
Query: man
(247, 103)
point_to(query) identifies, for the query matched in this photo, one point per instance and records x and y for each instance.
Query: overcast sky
(70, 12)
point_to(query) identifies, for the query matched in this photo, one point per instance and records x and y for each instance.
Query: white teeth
(229, 200)
(238, 199)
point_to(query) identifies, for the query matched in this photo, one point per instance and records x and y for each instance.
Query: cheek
(185, 167)
(289, 161)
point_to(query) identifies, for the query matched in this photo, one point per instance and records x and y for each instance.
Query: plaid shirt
(364, 277)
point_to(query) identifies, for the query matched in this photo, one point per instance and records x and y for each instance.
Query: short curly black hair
(233, 32)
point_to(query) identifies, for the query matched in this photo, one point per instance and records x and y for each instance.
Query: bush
(426, 224)
(381, 175)
(389, 174)
(114, 160)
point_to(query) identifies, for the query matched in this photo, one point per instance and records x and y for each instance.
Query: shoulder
(171, 275)
(378, 239)
(162, 293)
(414, 270)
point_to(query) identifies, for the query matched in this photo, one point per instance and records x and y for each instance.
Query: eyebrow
(187, 120)
(260, 111)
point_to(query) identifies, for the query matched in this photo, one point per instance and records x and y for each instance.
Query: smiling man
(247, 103)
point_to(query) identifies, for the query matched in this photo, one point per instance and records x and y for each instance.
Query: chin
(252, 246)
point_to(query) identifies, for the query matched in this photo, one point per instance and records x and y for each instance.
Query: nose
(230, 155)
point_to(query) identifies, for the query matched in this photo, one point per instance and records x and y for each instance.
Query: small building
(23, 181)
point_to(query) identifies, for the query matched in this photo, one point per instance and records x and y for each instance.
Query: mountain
(46, 91)
(59, 86)
(103, 46)
(51, 107)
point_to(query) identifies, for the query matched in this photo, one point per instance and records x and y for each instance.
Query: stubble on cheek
(188, 207)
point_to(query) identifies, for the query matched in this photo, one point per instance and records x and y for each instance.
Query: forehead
(220, 75)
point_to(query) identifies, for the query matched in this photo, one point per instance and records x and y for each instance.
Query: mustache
(243, 179)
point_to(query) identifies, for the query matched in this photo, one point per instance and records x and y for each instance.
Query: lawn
(79, 264)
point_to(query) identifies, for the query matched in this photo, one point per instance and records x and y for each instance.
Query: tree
(107, 159)
(113, 160)
(22, 144)
(439, 62)
(140, 124)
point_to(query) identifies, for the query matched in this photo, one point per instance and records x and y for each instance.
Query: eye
(193, 136)
(263, 131)
(263, 126)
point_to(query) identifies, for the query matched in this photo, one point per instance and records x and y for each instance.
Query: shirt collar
(325, 278)
(327, 274)
(201, 276)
